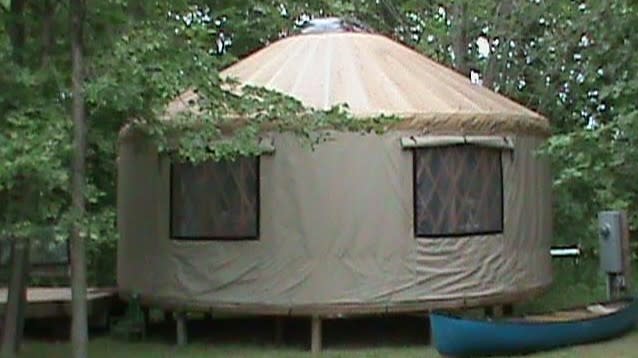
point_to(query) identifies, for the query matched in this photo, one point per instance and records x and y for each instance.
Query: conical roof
(375, 75)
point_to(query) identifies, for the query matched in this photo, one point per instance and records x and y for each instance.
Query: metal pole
(610, 284)
(615, 285)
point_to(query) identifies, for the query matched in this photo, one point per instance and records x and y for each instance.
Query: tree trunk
(136, 9)
(16, 29)
(16, 298)
(48, 14)
(503, 14)
(391, 16)
(460, 38)
(79, 324)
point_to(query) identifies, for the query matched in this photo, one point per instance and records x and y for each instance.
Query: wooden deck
(51, 302)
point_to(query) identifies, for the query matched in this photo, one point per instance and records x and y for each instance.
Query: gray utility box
(610, 239)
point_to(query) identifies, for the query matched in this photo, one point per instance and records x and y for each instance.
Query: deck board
(57, 294)
(48, 302)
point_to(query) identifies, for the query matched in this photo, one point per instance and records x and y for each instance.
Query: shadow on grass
(367, 332)
(351, 333)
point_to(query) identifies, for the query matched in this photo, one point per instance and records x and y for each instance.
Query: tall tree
(79, 329)
(136, 9)
(16, 26)
(48, 17)
(460, 39)
(502, 25)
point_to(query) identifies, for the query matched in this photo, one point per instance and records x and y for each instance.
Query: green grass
(626, 346)
(575, 283)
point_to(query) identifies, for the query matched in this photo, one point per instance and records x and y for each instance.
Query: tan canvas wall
(336, 229)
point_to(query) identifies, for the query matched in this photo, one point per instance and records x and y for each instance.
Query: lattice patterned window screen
(215, 200)
(458, 190)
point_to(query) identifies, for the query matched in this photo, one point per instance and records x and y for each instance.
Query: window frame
(227, 238)
(415, 230)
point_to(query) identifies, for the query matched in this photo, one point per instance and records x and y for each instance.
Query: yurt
(449, 208)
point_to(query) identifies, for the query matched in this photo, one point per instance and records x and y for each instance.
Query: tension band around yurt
(438, 141)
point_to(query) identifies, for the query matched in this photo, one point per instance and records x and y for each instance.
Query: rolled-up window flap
(501, 142)
(492, 141)
(430, 141)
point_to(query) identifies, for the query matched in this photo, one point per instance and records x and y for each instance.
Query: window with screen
(458, 190)
(215, 200)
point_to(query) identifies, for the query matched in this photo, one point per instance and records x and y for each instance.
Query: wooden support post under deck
(17, 298)
(315, 342)
(146, 314)
(279, 331)
(168, 317)
(181, 328)
(489, 311)
(508, 310)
